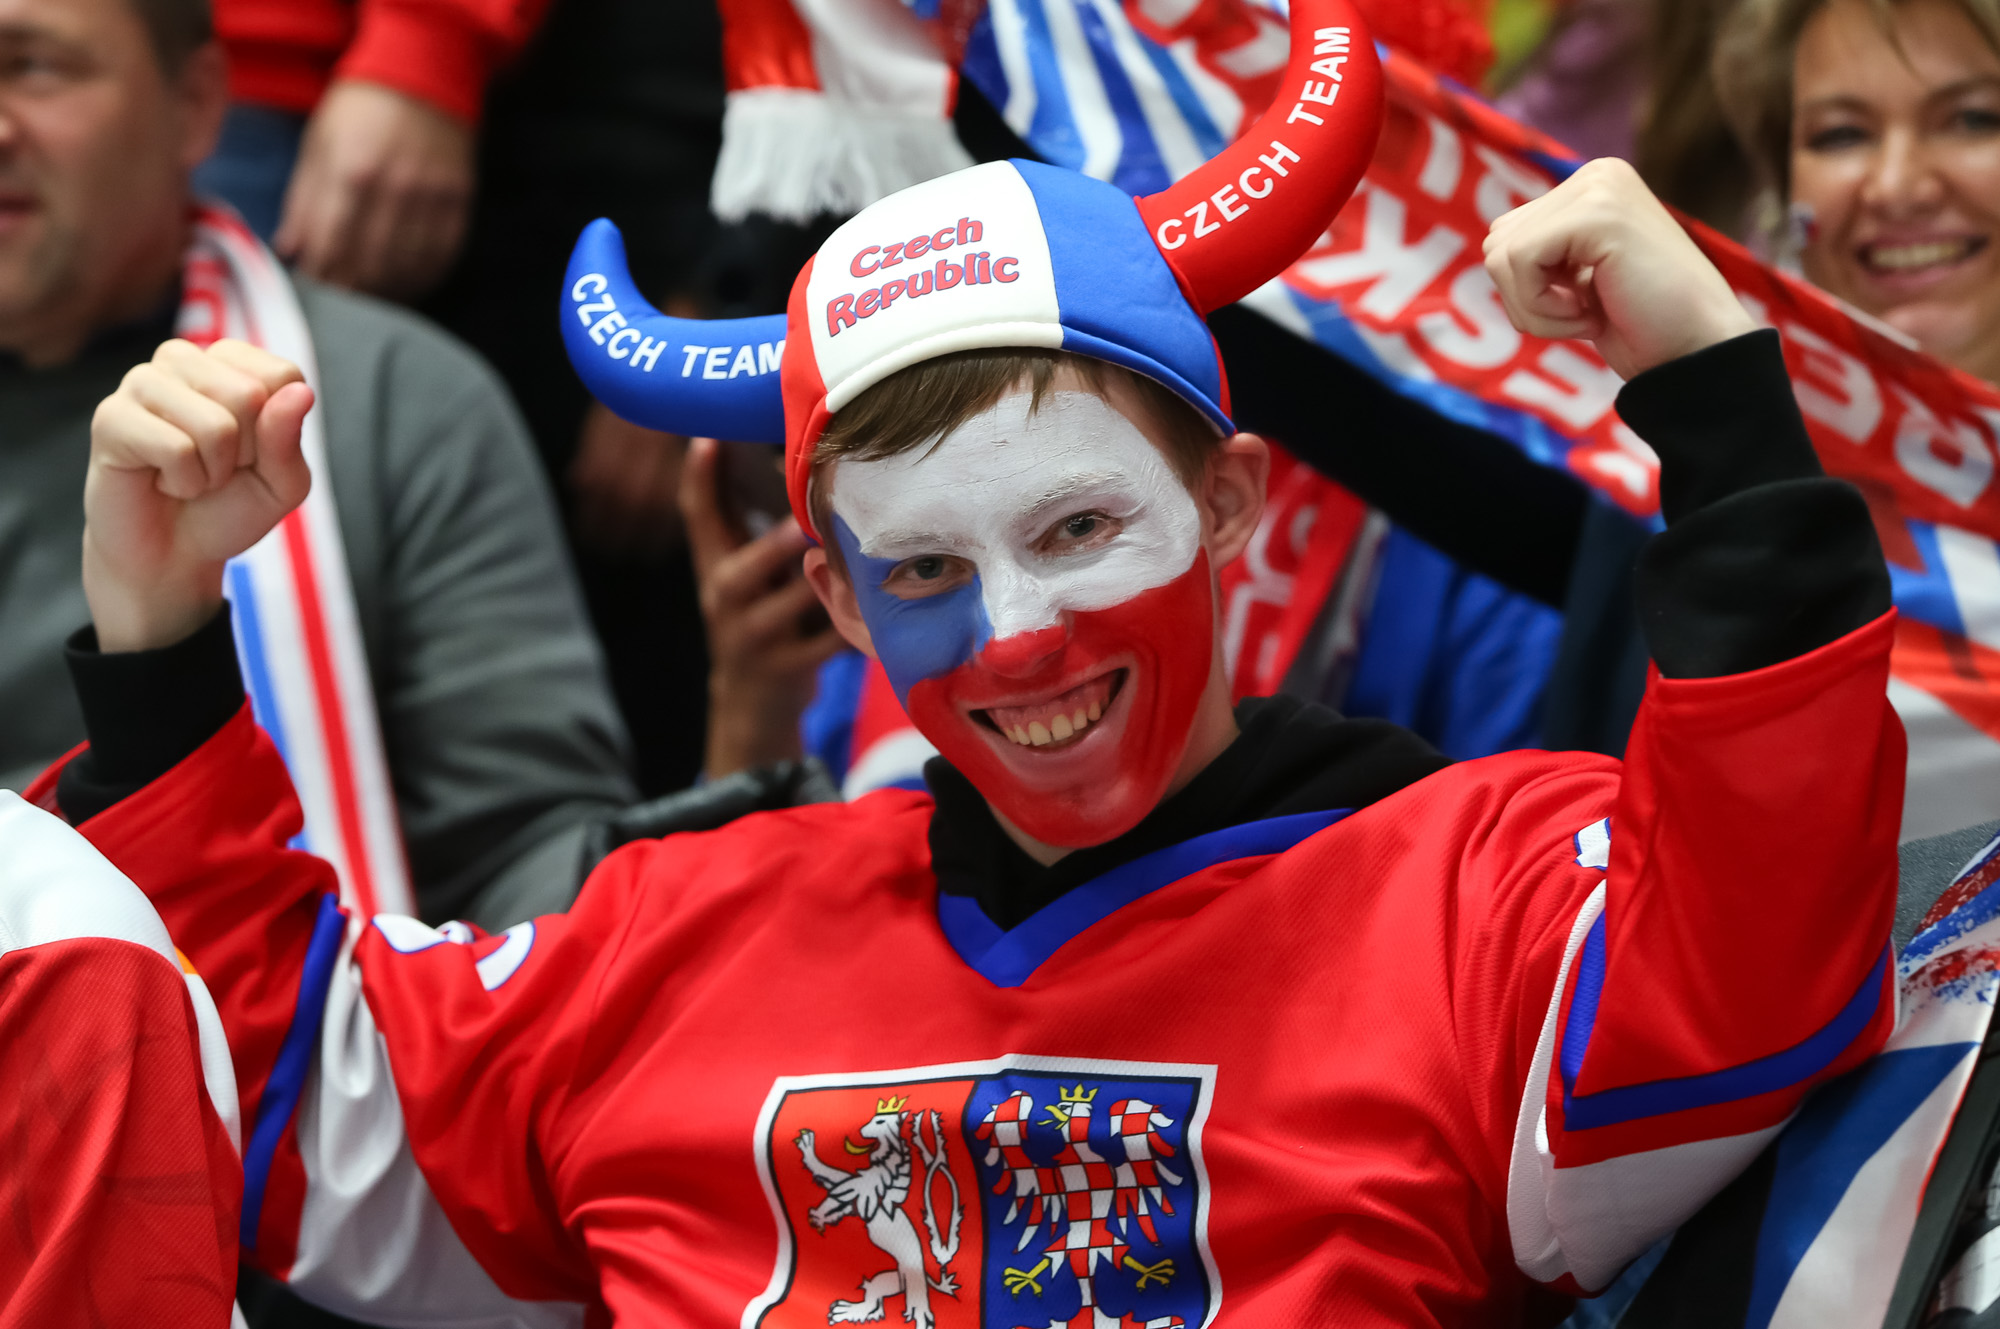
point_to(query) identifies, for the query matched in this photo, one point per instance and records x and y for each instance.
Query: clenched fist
(192, 461)
(1599, 258)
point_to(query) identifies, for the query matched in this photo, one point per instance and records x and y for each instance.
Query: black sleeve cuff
(1723, 421)
(145, 712)
(1760, 577)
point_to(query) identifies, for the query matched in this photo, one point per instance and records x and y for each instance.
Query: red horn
(1243, 217)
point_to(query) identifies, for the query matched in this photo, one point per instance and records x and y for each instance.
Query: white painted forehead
(1006, 458)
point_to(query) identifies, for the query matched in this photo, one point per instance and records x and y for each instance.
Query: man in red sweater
(350, 137)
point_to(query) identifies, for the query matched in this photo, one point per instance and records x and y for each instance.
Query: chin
(1947, 329)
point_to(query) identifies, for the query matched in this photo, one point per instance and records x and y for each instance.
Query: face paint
(1036, 589)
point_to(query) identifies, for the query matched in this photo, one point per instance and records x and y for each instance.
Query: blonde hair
(1755, 51)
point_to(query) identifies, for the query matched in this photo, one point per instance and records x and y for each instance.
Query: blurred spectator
(1877, 126)
(349, 138)
(1684, 146)
(1631, 79)
(615, 110)
(500, 735)
(767, 634)
(1582, 86)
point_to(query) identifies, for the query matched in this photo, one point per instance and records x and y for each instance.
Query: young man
(1155, 1013)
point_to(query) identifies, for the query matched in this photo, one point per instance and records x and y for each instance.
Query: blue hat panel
(1118, 298)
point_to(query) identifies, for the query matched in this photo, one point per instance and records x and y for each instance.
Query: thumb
(281, 459)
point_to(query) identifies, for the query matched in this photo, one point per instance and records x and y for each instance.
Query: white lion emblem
(877, 1195)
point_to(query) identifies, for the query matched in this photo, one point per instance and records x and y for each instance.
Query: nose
(1902, 181)
(1023, 653)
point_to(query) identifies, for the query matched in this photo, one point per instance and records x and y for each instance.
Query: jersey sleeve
(1662, 986)
(121, 1175)
(341, 1027)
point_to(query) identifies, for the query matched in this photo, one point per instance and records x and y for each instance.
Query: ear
(836, 592)
(1232, 497)
(203, 92)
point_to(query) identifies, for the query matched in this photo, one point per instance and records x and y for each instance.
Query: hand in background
(625, 485)
(767, 634)
(1599, 258)
(192, 461)
(379, 198)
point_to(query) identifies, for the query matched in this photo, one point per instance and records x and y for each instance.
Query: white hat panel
(951, 264)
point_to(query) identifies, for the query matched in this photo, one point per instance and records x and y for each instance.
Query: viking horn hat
(1008, 254)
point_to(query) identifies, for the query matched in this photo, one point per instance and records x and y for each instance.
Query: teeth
(1905, 257)
(1036, 735)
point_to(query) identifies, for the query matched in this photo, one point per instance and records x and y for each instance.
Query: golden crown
(1079, 1096)
(891, 1104)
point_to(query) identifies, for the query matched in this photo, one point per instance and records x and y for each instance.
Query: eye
(927, 575)
(1976, 120)
(24, 60)
(1079, 531)
(1836, 138)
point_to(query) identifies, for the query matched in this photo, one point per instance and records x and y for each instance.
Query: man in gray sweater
(503, 745)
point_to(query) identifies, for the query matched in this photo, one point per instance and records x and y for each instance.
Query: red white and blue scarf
(297, 632)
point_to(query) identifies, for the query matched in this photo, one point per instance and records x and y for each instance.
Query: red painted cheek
(1164, 638)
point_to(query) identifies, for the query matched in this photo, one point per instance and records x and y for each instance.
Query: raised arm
(1731, 948)
(192, 461)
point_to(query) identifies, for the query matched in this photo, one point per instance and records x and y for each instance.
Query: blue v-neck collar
(1006, 959)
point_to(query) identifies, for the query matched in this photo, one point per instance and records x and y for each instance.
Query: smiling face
(1037, 590)
(1896, 158)
(96, 140)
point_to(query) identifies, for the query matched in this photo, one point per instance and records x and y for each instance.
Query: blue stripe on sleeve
(1780, 1070)
(1583, 1006)
(280, 1098)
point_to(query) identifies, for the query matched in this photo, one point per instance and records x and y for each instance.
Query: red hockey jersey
(118, 1169)
(1512, 1023)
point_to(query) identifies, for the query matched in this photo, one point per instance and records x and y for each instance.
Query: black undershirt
(1291, 757)
(1764, 559)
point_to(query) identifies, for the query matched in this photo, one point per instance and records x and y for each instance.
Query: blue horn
(714, 378)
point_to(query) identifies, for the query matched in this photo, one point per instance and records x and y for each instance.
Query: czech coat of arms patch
(1020, 1193)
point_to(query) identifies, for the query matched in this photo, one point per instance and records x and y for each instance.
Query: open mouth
(1059, 721)
(1916, 257)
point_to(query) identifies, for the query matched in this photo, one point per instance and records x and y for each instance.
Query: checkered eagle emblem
(1022, 1193)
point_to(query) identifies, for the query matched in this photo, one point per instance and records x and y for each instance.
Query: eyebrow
(17, 32)
(1976, 82)
(1958, 88)
(1074, 485)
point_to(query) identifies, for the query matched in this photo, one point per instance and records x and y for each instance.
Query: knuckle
(174, 350)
